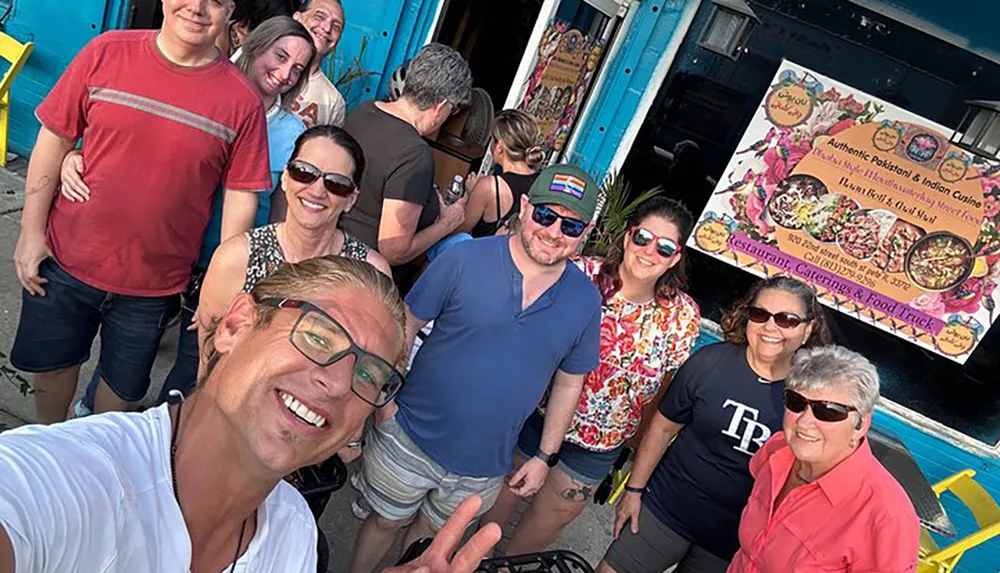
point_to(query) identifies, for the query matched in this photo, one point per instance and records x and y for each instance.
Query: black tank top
(519, 185)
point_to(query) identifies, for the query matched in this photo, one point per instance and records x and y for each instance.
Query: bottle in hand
(454, 191)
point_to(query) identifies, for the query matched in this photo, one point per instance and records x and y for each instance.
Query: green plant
(354, 71)
(615, 211)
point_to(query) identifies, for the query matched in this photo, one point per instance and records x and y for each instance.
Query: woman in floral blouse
(648, 329)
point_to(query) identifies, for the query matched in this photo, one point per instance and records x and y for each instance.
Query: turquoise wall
(939, 459)
(58, 34)
(393, 31)
(628, 75)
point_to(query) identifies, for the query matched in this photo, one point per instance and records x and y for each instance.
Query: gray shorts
(656, 548)
(398, 479)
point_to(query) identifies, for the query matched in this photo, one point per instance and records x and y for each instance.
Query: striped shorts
(398, 479)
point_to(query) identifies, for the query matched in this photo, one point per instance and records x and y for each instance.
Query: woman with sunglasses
(320, 183)
(683, 508)
(648, 327)
(819, 479)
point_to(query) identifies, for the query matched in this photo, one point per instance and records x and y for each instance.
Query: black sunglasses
(307, 173)
(665, 246)
(782, 319)
(321, 339)
(823, 411)
(569, 226)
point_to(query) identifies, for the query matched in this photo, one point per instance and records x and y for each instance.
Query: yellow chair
(16, 53)
(934, 559)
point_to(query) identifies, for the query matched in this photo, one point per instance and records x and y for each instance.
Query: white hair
(822, 366)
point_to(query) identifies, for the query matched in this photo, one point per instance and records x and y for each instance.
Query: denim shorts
(585, 466)
(56, 331)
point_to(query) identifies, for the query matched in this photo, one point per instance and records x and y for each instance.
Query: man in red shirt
(164, 118)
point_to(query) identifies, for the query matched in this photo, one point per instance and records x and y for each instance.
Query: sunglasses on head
(324, 341)
(665, 246)
(823, 411)
(782, 319)
(307, 173)
(569, 226)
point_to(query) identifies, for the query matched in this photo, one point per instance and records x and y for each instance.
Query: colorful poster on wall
(567, 60)
(868, 203)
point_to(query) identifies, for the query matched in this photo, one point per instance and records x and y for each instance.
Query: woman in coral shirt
(821, 501)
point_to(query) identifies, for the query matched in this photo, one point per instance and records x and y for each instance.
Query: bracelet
(634, 489)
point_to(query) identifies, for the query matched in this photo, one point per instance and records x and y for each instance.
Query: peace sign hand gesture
(436, 558)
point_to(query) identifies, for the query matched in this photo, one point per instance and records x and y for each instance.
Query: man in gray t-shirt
(398, 213)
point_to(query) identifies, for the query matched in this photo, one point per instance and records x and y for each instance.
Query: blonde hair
(520, 135)
(326, 275)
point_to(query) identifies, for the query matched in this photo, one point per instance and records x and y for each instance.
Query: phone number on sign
(845, 267)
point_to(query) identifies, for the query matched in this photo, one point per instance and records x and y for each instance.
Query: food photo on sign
(868, 203)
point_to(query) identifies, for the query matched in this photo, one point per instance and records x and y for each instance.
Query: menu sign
(868, 203)
(567, 60)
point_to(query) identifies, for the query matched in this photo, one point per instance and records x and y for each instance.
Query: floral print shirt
(640, 343)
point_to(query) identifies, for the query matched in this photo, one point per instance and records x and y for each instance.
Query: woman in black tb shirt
(683, 508)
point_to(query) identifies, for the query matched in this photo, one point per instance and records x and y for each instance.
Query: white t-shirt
(319, 103)
(95, 495)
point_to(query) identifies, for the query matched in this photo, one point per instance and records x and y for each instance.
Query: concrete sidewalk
(589, 536)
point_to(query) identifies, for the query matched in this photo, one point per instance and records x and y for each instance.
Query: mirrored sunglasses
(307, 173)
(569, 226)
(321, 339)
(665, 246)
(823, 410)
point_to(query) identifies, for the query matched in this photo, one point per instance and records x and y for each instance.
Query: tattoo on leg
(579, 492)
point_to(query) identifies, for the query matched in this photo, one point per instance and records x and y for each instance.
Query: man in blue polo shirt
(511, 317)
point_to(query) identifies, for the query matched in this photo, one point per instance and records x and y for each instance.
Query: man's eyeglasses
(307, 173)
(823, 411)
(324, 341)
(569, 226)
(665, 246)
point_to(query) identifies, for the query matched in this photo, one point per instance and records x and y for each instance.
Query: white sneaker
(360, 508)
(80, 410)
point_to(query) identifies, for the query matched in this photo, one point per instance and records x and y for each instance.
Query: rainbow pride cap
(568, 186)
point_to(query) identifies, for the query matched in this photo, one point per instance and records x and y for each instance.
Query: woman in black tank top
(517, 149)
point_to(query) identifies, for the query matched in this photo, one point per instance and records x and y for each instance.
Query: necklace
(173, 474)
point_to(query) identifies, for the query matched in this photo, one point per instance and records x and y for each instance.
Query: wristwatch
(550, 459)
